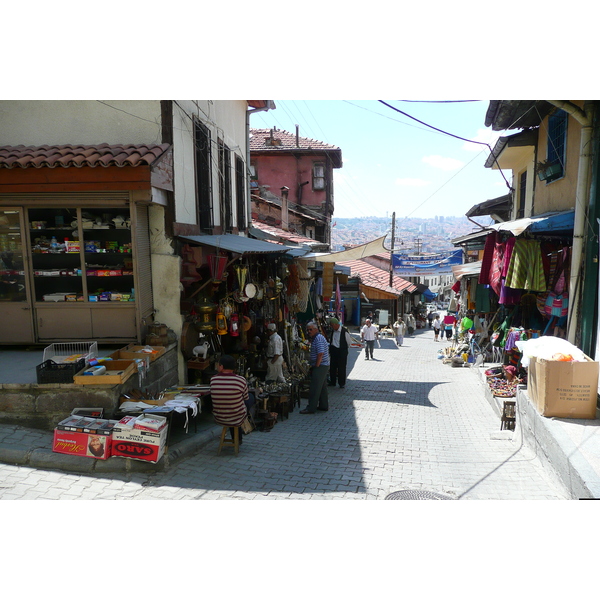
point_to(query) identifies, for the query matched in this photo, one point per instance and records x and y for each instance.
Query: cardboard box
(564, 389)
(131, 352)
(93, 445)
(117, 371)
(138, 444)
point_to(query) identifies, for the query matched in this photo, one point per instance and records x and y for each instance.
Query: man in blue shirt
(319, 368)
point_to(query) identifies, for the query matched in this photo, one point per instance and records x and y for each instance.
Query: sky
(392, 163)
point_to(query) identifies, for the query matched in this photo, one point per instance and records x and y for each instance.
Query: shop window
(203, 177)
(557, 143)
(240, 193)
(318, 182)
(225, 199)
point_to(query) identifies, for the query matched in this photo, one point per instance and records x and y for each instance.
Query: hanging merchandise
(216, 264)
(557, 305)
(221, 324)
(234, 325)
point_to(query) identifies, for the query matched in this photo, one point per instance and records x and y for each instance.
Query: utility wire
(451, 135)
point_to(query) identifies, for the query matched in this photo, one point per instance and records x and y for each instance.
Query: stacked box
(84, 436)
(130, 441)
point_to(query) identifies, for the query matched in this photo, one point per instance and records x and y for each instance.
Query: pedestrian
(399, 328)
(229, 395)
(319, 367)
(437, 325)
(410, 323)
(368, 334)
(339, 342)
(430, 318)
(274, 355)
(449, 321)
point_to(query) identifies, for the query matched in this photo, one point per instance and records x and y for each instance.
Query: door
(15, 299)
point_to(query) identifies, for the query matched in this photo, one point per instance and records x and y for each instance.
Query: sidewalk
(407, 381)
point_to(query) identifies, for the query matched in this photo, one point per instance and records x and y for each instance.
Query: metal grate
(417, 495)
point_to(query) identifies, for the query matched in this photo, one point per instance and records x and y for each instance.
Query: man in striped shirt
(319, 367)
(229, 394)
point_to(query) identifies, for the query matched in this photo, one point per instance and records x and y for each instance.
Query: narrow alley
(404, 422)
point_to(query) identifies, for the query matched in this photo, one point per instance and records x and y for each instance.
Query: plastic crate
(52, 372)
(69, 352)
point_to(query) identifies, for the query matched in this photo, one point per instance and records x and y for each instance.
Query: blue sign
(406, 265)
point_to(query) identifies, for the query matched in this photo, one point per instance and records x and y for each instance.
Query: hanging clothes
(496, 269)
(526, 270)
(488, 256)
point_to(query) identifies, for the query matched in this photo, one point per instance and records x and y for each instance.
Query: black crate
(51, 372)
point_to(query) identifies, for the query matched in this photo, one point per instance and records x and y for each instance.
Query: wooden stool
(229, 442)
(508, 415)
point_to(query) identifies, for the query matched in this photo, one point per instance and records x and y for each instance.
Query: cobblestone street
(405, 421)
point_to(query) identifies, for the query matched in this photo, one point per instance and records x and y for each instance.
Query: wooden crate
(131, 351)
(120, 371)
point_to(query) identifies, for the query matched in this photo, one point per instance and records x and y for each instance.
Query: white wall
(226, 120)
(53, 122)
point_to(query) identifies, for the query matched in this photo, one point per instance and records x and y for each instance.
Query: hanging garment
(496, 269)
(509, 296)
(508, 250)
(525, 270)
(488, 257)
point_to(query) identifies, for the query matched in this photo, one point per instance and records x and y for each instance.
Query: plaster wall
(559, 194)
(290, 171)
(53, 122)
(226, 121)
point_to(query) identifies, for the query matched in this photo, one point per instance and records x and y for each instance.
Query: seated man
(229, 395)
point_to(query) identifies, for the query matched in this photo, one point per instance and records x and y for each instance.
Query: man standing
(399, 328)
(274, 355)
(339, 342)
(319, 367)
(369, 333)
(229, 394)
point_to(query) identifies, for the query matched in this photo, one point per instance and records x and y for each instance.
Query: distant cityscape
(412, 235)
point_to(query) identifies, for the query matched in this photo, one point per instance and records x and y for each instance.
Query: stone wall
(43, 405)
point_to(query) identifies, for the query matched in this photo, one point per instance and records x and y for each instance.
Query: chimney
(297, 136)
(284, 208)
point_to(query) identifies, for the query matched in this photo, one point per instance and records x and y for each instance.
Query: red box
(93, 445)
(138, 444)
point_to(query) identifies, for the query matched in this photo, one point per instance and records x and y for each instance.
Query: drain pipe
(582, 197)
(269, 105)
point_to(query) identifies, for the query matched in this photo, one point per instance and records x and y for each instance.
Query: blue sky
(393, 163)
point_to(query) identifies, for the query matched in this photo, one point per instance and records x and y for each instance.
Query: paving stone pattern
(405, 421)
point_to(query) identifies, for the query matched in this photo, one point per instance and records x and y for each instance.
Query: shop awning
(237, 244)
(362, 251)
(466, 270)
(547, 222)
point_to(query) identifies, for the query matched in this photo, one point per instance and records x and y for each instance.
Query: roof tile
(68, 155)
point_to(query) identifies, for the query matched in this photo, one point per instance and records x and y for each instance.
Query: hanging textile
(482, 299)
(496, 269)
(488, 256)
(526, 270)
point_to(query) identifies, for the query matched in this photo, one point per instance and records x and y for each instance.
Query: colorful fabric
(496, 269)
(228, 392)
(488, 256)
(526, 271)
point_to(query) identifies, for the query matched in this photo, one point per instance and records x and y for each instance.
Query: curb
(44, 458)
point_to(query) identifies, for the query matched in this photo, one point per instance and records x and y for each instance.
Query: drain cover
(416, 495)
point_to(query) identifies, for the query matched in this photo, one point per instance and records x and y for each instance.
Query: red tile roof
(378, 278)
(287, 142)
(101, 155)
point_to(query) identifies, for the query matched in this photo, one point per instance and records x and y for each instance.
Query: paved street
(404, 422)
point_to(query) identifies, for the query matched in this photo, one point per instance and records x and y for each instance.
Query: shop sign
(405, 265)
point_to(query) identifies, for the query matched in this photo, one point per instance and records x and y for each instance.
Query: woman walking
(399, 328)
